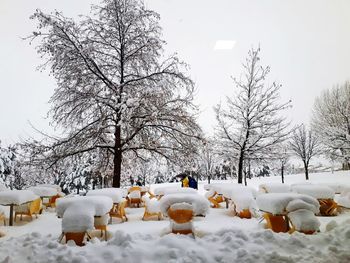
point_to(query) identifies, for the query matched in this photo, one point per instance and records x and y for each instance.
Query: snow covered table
(280, 208)
(163, 191)
(274, 188)
(16, 197)
(116, 194)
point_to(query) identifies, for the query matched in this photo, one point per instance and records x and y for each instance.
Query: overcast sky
(306, 43)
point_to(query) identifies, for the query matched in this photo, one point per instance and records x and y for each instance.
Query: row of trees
(126, 111)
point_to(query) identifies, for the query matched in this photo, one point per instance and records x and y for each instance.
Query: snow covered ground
(220, 237)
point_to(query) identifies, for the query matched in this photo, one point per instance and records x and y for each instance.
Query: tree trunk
(306, 167)
(282, 173)
(240, 168)
(117, 160)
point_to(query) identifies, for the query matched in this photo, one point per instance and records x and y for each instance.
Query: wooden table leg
(11, 216)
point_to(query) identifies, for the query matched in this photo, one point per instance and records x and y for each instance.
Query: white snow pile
(117, 194)
(153, 204)
(16, 197)
(199, 203)
(344, 198)
(226, 189)
(274, 188)
(277, 203)
(316, 191)
(304, 220)
(78, 212)
(43, 191)
(135, 194)
(338, 187)
(227, 245)
(174, 190)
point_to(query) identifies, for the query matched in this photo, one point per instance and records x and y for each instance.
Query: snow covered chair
(2, 216)
(134, 196)
(28, 209)
(214, 198)
(181, 215)
(304, 221)
(118, 211)
(152, 208)
(100, 223)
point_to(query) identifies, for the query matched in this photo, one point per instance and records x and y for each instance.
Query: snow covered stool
(82, 214)
(324, 195)
(287, 212)
(28, 209)
(134, 196)
(181, 215)
(274, 188)
(152, 208)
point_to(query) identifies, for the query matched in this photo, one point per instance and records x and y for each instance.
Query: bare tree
(252, 123)
(331, 121)
(115, 91)
(304, 144)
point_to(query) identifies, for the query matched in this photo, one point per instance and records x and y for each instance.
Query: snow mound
(228, 245)
(304, 220)
(243, 198)
(301, 204)
(153, 205)
(344, 198)
(200, 203)
(16, 197)
(274, 188)
(117, 194)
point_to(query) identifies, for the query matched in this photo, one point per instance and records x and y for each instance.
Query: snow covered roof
(200, 203)
(16, 197)
(316, 191)
(116, 194)
(277, 203)
(174, 190)
(43, 191)
(274, 188)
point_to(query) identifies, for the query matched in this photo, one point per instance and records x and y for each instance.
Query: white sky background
(306, 43)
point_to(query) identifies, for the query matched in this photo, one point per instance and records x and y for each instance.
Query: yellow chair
(183, 218)
(215, 199)
(28, 209)
(118, 211)
(328, 207)
(77, 237)
(100, 223)
(2, 217)
(134, 196)
(277, 223)
(52, 201)
(152, 210)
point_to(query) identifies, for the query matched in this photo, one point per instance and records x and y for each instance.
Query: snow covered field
(220, 237)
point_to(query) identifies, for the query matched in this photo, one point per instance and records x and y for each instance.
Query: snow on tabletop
(100, 204)
(43, 190)
(226, 189)
(274, 188)
(243, 198)
(316, 191)
(276, 203)
(135, 194)
(117, 194)
(200, 203)
(55, 186)
(174, 190)
(304, 220)
(16, 197)
(153, 204)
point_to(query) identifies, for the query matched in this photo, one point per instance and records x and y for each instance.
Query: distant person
(185, 182)
(192, 183)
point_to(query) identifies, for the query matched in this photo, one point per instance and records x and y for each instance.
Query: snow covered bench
(324, 194)
(15, 198)
(280, 209)
(274, 188)
(83, 214)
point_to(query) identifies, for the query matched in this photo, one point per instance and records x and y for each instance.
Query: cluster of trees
(126, 113)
